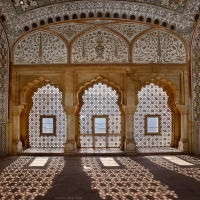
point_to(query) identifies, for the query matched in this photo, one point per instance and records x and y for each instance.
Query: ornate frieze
(129, 30)
(99, 46)
(159, 47)
(25, 5)
(40, 47)
(184, 22)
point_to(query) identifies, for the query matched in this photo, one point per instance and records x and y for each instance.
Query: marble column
(130, 145)
(70, 145)
(16, 144)
(183, 143)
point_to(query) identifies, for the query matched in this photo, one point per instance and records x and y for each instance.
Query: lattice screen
(47, 101)
(152, 101)
(100, 100)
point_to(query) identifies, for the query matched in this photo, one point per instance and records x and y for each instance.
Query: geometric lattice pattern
(153, 101)
(47, 101)
(100, 100)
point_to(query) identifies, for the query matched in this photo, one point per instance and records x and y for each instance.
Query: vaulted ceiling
(22, 15)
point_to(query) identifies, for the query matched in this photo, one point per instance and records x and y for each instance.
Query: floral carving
(129, 30)
(159, 47)
(70, 30)
(40, 47)
(100, 46)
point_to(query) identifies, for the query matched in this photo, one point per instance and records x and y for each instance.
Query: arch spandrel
(99, 46)
(159, 46)
(40, 47)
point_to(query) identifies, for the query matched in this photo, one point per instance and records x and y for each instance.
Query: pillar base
(130, 146)
(183, 145)
(17, 147)
(70, 147)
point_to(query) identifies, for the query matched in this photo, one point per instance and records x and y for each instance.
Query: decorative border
(3, 132)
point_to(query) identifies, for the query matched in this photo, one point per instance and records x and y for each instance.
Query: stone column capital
(16, 110)
(70, 110)
(183, 109)
(129, 110)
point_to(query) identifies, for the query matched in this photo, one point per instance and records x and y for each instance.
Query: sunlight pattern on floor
(133, 181)
(190, 171)
(20, 181)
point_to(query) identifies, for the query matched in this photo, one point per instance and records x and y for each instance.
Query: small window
(47, 125)
(100, 124)
(152, 124)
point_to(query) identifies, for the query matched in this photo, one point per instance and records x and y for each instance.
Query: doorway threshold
(99, 152)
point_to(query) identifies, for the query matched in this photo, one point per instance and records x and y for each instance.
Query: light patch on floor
(177, 161)
(39, 162)
(109, 162)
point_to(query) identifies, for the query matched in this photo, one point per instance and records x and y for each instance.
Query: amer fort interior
(83, 79)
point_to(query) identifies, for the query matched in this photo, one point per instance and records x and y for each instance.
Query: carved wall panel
(159, 47)
(47, 101)
(153, 101)
(4, 81)
(69, 30)
(196, 87)
(100, 46)
(40, 48)
(129, 30)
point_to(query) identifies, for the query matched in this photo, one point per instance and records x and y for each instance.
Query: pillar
(16, 143)
(183, 143)
(130, 145)
(70, 145)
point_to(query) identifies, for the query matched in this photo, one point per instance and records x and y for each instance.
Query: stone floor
(157, 177)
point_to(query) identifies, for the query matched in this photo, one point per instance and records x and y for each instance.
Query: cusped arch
(99, 46)
(99, 79)
(170, 88)
(159, 46)
(30, 88)
(40, 47)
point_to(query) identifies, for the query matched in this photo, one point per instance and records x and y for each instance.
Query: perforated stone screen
(153, 101)
(47, 101)
(100, 100)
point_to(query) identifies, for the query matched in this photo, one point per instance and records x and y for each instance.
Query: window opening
(47, 125)
(152, 124)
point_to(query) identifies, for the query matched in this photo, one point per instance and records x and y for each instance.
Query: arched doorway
(100, 117)
(47, 119)
(153, 118)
